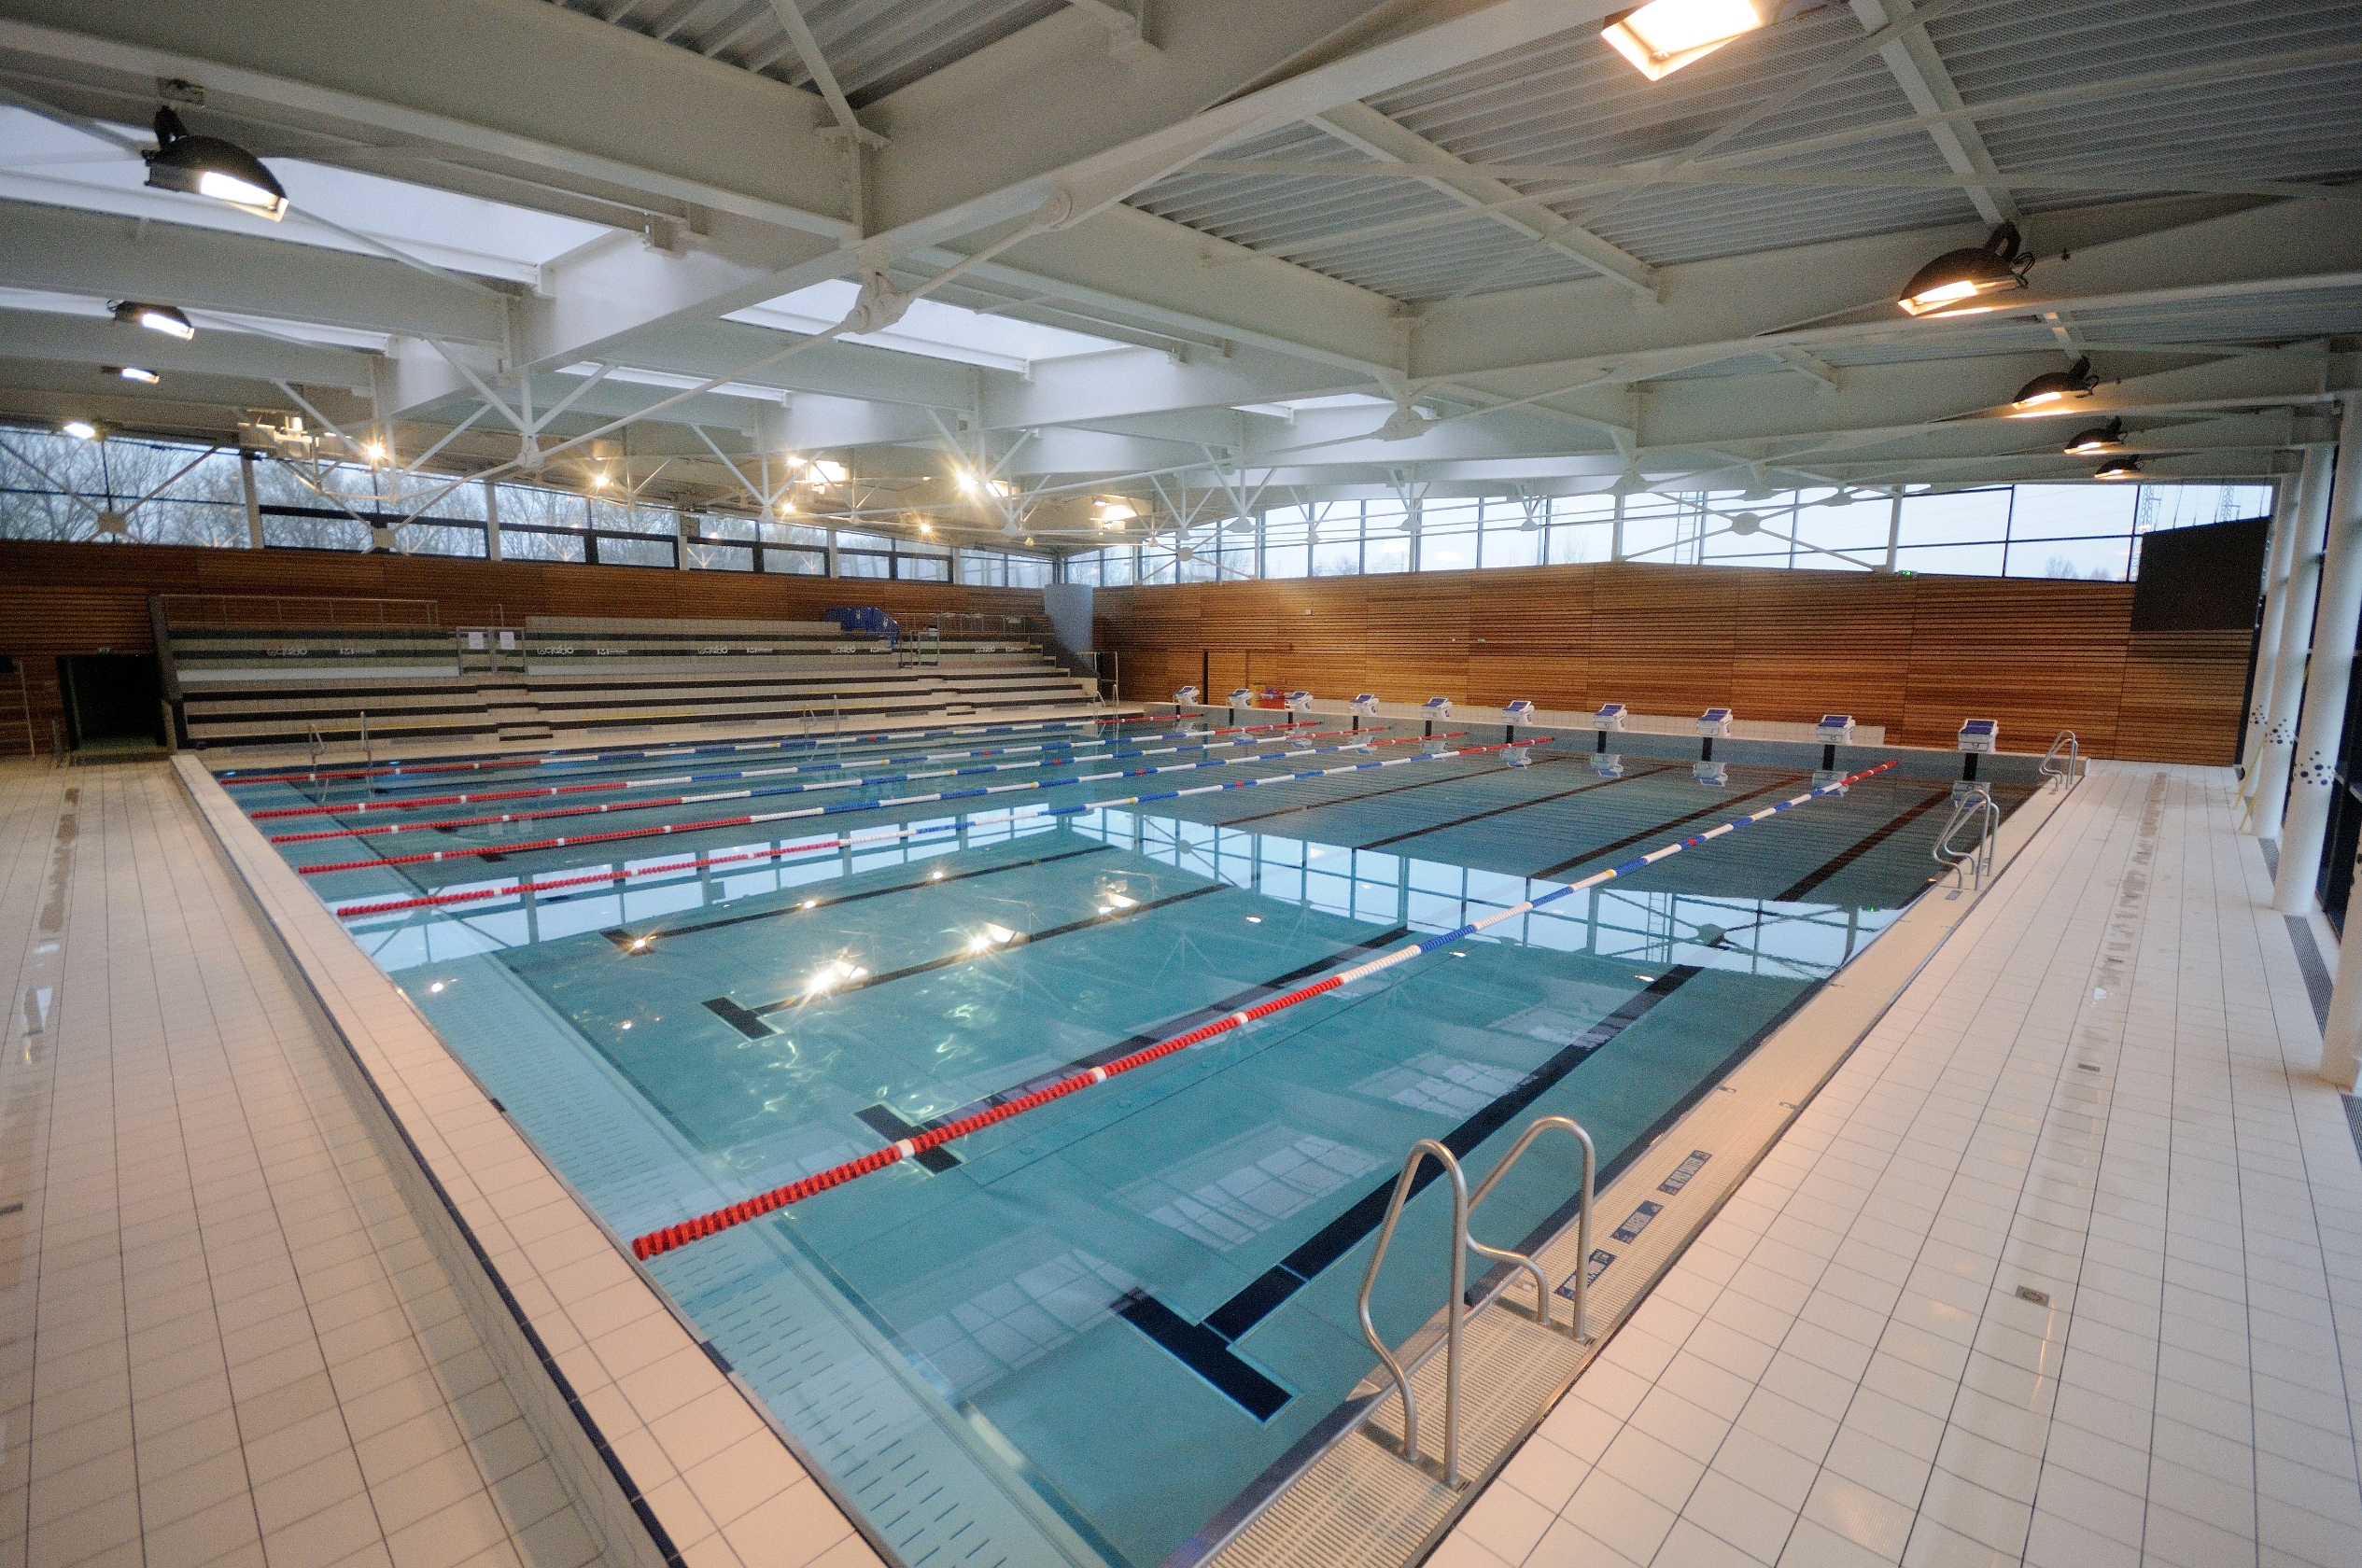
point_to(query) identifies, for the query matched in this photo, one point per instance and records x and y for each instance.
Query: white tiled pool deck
(2102, 1092)
(228, 1341)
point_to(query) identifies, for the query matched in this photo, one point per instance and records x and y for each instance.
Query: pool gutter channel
(606, 1456)
(1330, 1503)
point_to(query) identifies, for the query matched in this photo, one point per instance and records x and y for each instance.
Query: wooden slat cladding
(1916, 654)
(2177, 686)
(82, 598)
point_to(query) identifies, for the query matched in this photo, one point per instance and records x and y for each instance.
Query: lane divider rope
(235, 777)
(842, 808)
(881, 835)
(860, 781)
(681, 1235)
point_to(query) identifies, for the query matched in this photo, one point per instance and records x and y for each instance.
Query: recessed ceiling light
(1660, 38)
(132, 372)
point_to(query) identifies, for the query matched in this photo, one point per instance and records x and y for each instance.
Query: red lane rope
(687, 1231)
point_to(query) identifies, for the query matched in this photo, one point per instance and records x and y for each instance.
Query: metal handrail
(1976, 807)
(1455, 1308)
(2073, 772)
(1458, 1306)
(1534, 1129)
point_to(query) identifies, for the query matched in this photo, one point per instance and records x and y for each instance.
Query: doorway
(113, 701)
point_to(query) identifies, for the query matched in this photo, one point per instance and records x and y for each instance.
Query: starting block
(1300, 702)
(1186, 697)
(1835, 730)
(1978, 737)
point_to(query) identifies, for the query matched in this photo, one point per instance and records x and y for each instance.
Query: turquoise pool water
(1079, 1334)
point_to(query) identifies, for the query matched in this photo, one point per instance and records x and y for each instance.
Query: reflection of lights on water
(1255, 920)
(992, 936)
(626, 1024)
(437, 985)
(638, 943)
(1115, 901)
(834, 975)
(811, 903)
(934, 877)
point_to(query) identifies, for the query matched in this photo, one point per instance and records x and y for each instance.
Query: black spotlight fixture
(156, 318)
(2098, 441)
(2055, 386)
(209, 166)
(1955, 281)
(2122, 468)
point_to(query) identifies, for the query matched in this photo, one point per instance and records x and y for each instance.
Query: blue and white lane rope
(681, 1235)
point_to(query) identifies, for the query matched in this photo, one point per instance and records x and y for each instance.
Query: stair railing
(1973, 862)
(2066, 770)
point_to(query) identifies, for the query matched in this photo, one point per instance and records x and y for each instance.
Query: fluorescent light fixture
(80, 429)
(132, 372)
(1950, 284)
(2122, 468)
(2052, 388)
(156, 318)
(1660, 38)
(209, 166)
(2098, 441)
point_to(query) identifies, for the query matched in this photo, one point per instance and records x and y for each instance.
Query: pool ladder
(1457, 1308)
(1973, 861)
(2064, 770)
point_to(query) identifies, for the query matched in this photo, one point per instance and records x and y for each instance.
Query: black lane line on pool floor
(1514, 805)
(1655, 829)
(750, 1022)
(623, 939)
(1164, 1030)
(1204, 1347)
(1345, 800)
(1803, 887)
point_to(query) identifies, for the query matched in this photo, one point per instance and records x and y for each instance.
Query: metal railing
(2066, 770)
(1975, 862)
(1456, 1307)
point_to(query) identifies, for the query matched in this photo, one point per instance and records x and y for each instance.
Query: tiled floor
(2063, 1267)
(225, 1338)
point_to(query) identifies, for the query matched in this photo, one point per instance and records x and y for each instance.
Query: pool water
(1078, 1334)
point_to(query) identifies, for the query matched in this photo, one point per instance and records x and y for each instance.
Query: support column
(1615, 538)
(2329, 672)
(1894, 527)
(254, 498)
(680, 539)
(2281, 552)
(2310, 521)
(491, 521)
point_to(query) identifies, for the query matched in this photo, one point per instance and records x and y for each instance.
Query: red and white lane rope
(681, 1235)
(754, 818)
(863, 781)
(235, 777)
(882, 836)
(546, 791)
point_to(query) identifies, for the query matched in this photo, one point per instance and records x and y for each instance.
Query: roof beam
(1363, 128)
(1920, 71)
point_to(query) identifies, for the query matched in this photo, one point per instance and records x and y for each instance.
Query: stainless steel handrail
(1455, 1308)
(2071, 773)
(1534, 1129)
(1977, 859)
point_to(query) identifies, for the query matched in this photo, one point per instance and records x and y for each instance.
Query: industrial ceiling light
(132, 372)
(80, 429)
(209, 166)
(1953, 283)
(2055, 386)
(1660, 38)
(2122, 468)
(156, 318)
(2098, 441)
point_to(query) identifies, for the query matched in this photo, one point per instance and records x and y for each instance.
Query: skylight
(937, 331)
(56, 165)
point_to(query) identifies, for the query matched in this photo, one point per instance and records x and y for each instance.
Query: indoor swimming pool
(693, 975)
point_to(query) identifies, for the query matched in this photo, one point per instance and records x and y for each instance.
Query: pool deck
(235, 1335)
(2063, 1267)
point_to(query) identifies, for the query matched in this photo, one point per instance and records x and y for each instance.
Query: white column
(2329, 672)
(254, 499)
(2311, 522)
(1615, 537)
(491, 521)
(2278, 554)
(1894, 525)
(680, 539)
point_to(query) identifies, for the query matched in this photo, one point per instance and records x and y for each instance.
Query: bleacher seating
(563, 677)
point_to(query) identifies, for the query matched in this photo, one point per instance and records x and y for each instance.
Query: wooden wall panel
(1917, 655)
(2037, 655)
(83, 598)
(2177, 686)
